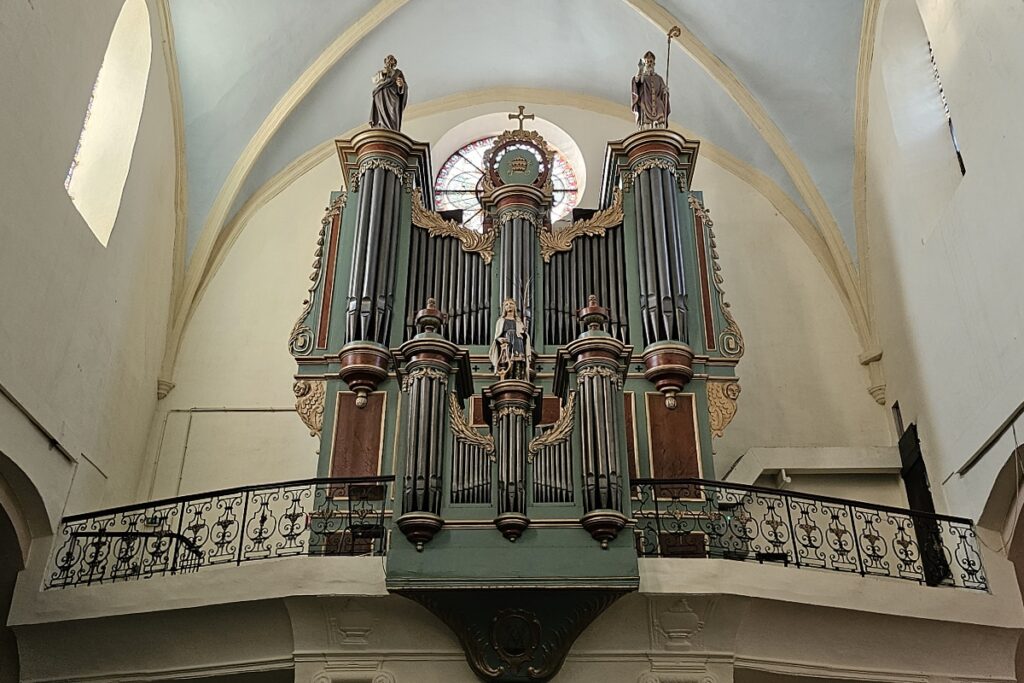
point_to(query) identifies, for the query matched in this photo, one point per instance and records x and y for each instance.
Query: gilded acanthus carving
(300, 343)
(731, 339)
(481, 243)
(559, 432)
(552, 241)
(461, 429)
(722, 397)
(309, 403)
(421, 373)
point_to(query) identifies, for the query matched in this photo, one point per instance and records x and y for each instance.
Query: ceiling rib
(243, 165)
(779, 144)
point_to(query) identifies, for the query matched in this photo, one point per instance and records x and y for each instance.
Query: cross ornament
(522, 116)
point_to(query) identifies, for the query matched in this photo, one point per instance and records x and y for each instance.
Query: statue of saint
(650, 95)
(511, 353)
(390, 95)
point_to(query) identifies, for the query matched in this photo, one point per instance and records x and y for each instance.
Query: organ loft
(517, 378)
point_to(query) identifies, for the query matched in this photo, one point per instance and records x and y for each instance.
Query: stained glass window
(458, 184)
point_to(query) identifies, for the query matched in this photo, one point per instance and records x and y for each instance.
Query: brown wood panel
(551, 408)
(478, 412)
(357, 436)
(673, 440)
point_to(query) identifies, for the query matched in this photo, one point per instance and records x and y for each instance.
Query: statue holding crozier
(390, 94)
(511, 352)
(650, 95)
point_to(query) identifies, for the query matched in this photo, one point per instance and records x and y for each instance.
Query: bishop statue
(650, 95)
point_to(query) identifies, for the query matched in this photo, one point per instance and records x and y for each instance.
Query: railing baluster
(856, 539)
(241, 527)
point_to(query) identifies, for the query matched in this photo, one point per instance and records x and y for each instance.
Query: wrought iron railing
(699, 518)
(231, 526)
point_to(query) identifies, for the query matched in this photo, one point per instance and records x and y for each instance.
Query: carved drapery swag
(480, 243)
(553, 241)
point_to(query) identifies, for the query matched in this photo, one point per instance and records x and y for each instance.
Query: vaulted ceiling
(771, 88)
(237, 59)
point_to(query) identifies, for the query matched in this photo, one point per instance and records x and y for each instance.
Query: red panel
(705, 282)
(329, 270)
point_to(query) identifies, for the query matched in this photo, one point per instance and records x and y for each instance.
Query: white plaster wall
(81, 326)
(802, 384)
(944, 250)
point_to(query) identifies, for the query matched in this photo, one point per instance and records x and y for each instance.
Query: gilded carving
(481, 243)
(731, 339)
(653, 162)
(309, 403)
(376, 162)
(552, 241)
(722, 397)
(512, 214)
(512, 410)
(519, 136)
(300, 343)
(421, 373)
(560, 432)
(599, 371)
(461, 429)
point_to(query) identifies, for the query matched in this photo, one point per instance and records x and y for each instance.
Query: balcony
(680, 518)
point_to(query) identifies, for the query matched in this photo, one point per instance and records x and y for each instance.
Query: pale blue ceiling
(237, 57)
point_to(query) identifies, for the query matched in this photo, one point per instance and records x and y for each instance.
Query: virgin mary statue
(511, 352)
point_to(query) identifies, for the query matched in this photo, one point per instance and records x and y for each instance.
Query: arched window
(458, 184)
(99, 166)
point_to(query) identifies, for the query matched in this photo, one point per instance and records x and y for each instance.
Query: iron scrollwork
(699, 518)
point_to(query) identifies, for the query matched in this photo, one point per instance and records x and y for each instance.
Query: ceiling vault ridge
(838, 252)
(198, 264)
(766, 186)
(180, 160)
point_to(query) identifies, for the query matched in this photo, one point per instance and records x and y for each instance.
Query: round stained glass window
(458, 184)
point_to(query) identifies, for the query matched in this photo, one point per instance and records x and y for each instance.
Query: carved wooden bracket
(481, 243)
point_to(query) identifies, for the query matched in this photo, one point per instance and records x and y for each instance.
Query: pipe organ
(514, 380)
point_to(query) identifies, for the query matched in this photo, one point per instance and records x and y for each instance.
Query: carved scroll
(300, 343)
(731, 339)
(559, 432)
(722, 404)
(462, 430)
(481, 243)
(309, 403)
(552, 241)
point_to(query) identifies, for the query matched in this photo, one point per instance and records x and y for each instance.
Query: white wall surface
(945, 250)
(802, 384)
(81, 326)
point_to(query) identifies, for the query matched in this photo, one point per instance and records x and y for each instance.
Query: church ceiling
(238, 58)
